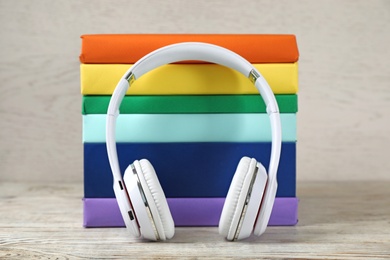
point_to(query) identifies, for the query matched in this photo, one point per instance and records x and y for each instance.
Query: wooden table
(337, 220)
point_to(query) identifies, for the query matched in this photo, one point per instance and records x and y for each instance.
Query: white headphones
(141, 200)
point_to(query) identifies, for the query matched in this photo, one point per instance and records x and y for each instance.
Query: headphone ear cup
(155, 196)
(266, 207)
(236, 197)
(243, 200)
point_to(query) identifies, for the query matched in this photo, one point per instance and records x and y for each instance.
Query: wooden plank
(343, 220)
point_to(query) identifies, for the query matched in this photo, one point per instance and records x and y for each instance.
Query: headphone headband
(193, 51)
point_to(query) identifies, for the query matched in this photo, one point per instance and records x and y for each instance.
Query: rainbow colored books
(192, 120)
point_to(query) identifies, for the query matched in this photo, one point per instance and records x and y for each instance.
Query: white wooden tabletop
(338, 220)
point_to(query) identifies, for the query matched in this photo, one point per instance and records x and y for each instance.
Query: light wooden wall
(344, 97)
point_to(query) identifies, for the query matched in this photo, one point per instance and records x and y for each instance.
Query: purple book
(104, 212)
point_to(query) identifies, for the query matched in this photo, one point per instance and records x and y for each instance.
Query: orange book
(129, 48)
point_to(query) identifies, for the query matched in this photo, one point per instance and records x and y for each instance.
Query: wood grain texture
(337, 220)
(344, 97)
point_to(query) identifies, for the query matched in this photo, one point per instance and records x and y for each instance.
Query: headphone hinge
(130, 77)
(253, 76)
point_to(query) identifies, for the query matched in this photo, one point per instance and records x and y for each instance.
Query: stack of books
(192, 120)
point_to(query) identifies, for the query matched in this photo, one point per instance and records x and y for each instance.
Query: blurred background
(344, 77)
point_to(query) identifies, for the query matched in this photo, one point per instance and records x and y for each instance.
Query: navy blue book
(187, 170)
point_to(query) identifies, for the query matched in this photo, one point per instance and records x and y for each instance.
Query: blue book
(187, 170)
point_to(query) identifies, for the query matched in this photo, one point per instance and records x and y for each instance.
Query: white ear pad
(230, 224)
(156, 199)
(232, 197)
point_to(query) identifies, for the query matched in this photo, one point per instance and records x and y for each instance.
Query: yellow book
(188, 79)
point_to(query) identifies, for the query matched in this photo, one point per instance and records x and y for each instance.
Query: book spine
(128, 48)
